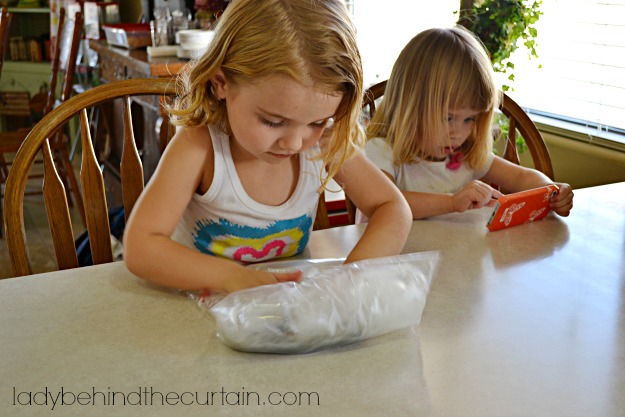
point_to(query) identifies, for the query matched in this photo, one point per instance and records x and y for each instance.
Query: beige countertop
(528, 321)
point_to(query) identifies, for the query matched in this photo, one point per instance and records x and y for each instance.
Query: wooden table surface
(118, 63)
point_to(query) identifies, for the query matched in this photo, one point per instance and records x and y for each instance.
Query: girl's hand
(562, 203)
(253, 278)
(474, 195)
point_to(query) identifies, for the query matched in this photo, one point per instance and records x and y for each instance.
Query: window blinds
(581, 48)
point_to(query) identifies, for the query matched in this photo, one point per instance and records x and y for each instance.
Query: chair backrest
(372, 94)
(91, 177)
(322, 219)
(520, 122)
(64, 61)
(5, 27)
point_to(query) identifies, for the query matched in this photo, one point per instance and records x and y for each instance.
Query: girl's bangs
(472, 96)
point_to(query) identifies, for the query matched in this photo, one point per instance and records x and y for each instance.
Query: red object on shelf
(128, 35)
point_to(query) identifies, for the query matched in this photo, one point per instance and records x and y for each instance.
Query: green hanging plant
(501, 25)
(500, 134)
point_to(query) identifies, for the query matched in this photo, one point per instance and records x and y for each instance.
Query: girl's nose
(291, 142)
(451, 131)
(457, 131)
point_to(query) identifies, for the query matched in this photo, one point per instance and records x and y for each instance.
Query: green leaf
(503, 25)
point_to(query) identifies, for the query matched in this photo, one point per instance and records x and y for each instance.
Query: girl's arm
(478, 194)
(516, 178)
(149, 251)
(378, 198)
(474, 195)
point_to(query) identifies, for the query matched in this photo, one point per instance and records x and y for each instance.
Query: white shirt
(423, 176)
(227, 222)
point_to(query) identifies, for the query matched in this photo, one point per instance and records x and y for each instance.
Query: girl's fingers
(289, 276)
(496, 194)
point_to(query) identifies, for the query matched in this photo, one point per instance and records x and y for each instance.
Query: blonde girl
(432, 133)
(265, 118)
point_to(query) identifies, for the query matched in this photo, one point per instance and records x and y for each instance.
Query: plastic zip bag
(331, 306)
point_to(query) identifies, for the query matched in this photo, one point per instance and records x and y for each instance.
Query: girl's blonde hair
(437, 71)
(312, 41)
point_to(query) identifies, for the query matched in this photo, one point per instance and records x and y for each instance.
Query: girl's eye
(470, 119)
(323, 124)
(271, 124)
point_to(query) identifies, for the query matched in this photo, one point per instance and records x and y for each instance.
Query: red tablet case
(522, 207)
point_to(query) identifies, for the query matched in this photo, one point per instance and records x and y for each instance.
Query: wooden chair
(322, 220)
(91, 177)
(519, 123)
(5, 27)
(63, 65)
(372, 94)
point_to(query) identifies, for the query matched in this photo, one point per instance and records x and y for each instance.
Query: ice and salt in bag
(333, 304)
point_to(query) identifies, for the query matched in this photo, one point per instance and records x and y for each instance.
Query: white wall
(384, 28)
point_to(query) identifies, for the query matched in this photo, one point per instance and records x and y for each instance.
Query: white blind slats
(581, 48)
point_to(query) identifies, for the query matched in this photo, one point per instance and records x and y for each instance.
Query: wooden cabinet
(25, 76)
(149, 122)
(28, 43)
(27, 66)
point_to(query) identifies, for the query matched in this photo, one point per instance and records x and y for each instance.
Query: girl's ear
(220, 85)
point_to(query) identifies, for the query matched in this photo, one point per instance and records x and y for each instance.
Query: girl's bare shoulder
(189, 148)
(192, 137)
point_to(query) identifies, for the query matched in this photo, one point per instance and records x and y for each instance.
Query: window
(350, 6)
(581, 46)
(581, 51)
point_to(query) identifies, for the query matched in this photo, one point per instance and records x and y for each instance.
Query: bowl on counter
(128, 35)
(194, 42)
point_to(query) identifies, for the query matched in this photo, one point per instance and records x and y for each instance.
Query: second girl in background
(432, 133)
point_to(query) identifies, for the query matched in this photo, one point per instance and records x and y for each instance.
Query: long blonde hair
(312, 41)
(438, 70)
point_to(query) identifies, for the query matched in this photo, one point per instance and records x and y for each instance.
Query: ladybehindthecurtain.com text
(148, 396)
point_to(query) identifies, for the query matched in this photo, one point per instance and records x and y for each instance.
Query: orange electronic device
(522, 207)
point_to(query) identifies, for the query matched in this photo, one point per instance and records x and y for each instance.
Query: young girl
(432, 132)
(266, 117)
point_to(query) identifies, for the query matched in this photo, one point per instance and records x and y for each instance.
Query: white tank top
(227, 222)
